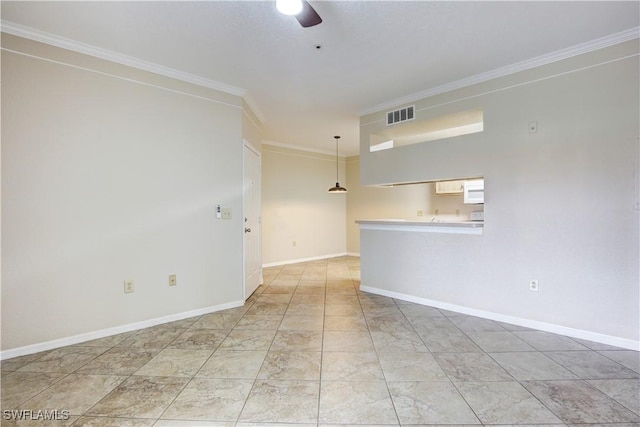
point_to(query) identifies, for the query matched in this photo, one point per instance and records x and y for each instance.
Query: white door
(252, 221)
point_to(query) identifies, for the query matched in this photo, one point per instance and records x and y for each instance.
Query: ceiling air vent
(401, 115)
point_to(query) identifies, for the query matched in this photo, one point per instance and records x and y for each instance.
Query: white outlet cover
(129, 286)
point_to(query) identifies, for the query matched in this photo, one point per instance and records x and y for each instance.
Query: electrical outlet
(436, 211)
(226, 213)
(533, 285)
(420, 212)
(129, 286)
(173, 280)
(295, 243)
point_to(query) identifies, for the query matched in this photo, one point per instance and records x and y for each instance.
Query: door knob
(247, 230)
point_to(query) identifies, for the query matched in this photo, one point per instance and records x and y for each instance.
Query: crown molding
(301, 148)
(87, 49)
(600, 43)
(254, 107)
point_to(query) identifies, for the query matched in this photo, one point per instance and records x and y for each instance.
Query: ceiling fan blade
(308, 17)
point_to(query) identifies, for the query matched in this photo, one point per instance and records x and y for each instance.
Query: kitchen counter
(427, 262)
(426, 226)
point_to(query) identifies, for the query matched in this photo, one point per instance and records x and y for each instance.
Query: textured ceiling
(372, 52)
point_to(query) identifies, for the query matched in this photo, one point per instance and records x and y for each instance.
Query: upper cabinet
(450, 187)
(471, 189)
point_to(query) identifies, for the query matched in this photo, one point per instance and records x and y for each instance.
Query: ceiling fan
(301, 9)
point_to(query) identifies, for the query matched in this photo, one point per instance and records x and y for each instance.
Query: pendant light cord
(337, 188)
(337, 168)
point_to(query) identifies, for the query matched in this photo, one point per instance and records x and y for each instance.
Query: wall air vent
(401, 115)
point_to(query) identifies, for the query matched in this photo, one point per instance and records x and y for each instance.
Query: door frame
(247, 145)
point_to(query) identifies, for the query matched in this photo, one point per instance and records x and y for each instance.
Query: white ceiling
(374, 53)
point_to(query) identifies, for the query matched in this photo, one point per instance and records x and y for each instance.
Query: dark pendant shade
(337, 188)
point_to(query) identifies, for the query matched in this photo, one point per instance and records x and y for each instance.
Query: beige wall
(297, 208)
(561, 204)
(108, 174)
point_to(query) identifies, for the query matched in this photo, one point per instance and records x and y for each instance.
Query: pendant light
(337, 188)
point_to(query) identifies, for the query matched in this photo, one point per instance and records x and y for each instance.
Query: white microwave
(474, 191)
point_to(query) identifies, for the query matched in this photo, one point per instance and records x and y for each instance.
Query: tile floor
(309, 349)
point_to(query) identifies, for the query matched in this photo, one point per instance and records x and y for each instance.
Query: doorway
(252, 219)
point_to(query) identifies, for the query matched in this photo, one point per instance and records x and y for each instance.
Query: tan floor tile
(114, 422)
(576, 402)
(277, 298)
(260, 322)
(233, 364)
(305, 309)
(505, 403)
(199, 339)
(65, 359)
(151, 338)
(140, 397)
(173, 362)
(118, 361)
(624, 391)
(18, 387)
(272, 308)
(282, 401)
(210, 399)
(397, 341)
(305, 298)
(217, 321)
(342, 310)
(347, 341)
(411, 366)
(345, 323)
(302, 323)
(76, 393)
(339, 366)
(275, 289)
(316, 287)
(109, 341)
(287, 365)
(241, 339)
(430, 403)
(356, 402)
(297, 341)
(472, 367)
(16, 363)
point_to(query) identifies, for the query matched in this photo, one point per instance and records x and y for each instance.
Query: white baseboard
(527, 323)
(313, 258)
(88, 336)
